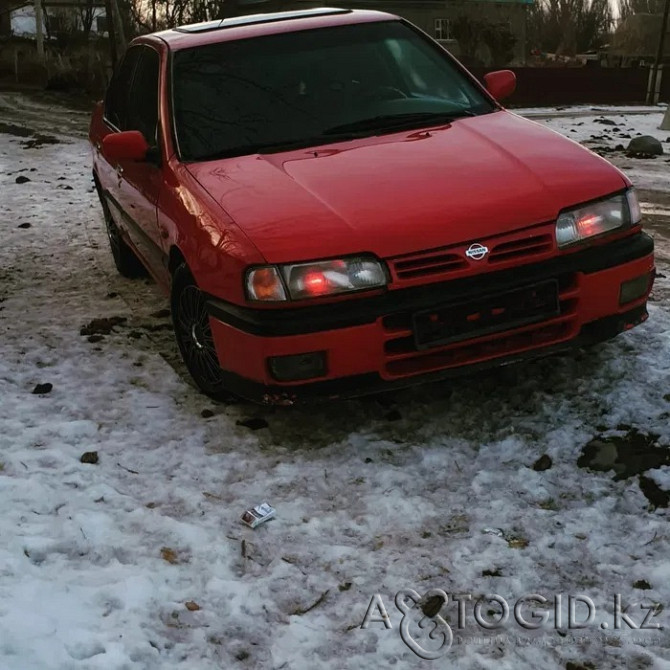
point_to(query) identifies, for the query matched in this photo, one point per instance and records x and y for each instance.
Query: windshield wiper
(392, 121)
(276, 147)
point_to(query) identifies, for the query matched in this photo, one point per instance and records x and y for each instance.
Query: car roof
(256, 25)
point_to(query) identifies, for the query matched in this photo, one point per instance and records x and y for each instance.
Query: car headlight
(299, 281)
(597, 218)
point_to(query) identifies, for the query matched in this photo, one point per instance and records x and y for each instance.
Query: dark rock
(642, 584)
(369, 460)
(41, 389)
(102, 326)
(112, 294)
(22, 180)
(605, 122)
(161, 314)
(254, 423)
(90, 457)
(206, 413)
(571, 665)
(95, 338)
(345, 586)
(645, 144)
(619, 147)
(23, 225)
(543, 463)
(393, 415)
(156, 327)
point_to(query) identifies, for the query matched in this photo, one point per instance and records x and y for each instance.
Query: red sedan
(336, 206)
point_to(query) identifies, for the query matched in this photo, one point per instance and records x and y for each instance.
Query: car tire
(193, 333)
(124, 257)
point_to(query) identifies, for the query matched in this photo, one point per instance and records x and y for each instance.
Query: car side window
(116, 100)
(143, 99)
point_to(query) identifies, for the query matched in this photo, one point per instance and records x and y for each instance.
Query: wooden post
(111, 33)
(118, 25)
(39, 30)
(665, 124)
(652, 99)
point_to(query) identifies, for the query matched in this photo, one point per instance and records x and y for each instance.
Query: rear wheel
(125, 259)
(194, 334)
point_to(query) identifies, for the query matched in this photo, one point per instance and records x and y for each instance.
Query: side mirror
(130, 145)
(500, 84)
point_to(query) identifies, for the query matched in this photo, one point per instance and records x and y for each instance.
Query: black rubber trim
(156, 252)
(257, 19)
(362, 310)
(358, 385)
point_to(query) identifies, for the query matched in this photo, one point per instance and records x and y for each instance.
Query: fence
(549, 86)
(85, 66)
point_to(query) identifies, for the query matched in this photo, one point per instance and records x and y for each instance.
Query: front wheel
(194, 334)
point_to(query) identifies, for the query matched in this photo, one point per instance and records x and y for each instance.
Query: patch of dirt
(13, 129)
(39, 141)
(627, 455)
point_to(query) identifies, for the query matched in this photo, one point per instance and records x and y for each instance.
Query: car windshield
(311, 87)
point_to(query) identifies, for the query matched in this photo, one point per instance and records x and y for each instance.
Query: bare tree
(467, 31)
(501, 41)
(86, 16)
(629, 7)
(568, 27)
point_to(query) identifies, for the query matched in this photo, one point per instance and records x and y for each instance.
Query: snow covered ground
(139, 561)
(609, 131)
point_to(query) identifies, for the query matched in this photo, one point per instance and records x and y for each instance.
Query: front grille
(525, 246)
(430, 264)
(403, 358)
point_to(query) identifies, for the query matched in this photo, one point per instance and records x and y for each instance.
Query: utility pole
(659, 53)
(111, 33)
(5, 19)
(118, 25)
(39, 30)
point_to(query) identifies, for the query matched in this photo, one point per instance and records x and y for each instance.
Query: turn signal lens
(265, 284)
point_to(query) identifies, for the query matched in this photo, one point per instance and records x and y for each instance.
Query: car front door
(140, 182)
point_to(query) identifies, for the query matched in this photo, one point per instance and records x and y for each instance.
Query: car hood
(404, 192)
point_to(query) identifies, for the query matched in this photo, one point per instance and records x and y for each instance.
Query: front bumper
(370, 345)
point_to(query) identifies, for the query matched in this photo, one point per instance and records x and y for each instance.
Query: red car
(336, 206)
